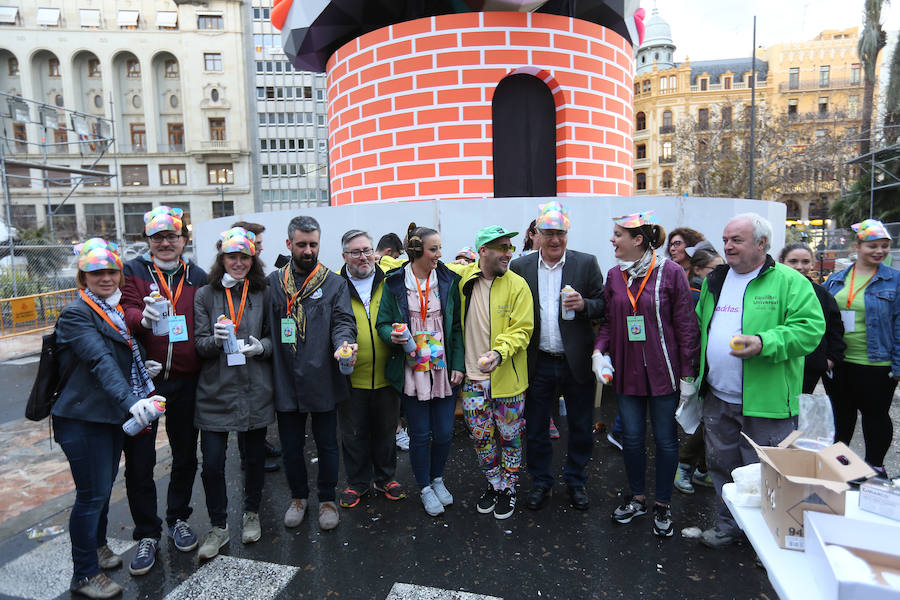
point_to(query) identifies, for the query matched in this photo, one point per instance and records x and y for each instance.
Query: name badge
(288, 331)
(636, 332)
(177, 328)
(848, 318)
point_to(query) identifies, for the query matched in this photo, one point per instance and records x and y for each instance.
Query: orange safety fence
(34, 313)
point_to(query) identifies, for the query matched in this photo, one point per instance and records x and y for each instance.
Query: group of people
(237, 350)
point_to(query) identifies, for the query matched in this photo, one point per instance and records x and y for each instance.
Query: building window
(18, 177)
(217, 129)
(93, 65)
(703, 119)
(794, 78)
(726, 116)
(824, 75)
(637, 89)
(53, 67)
(133, 213)
(24, 216)
(667, 150)
(100, 220)
(641, 181)
(219, 173)
(13, 64)
(667, 179)
(823, 105)
(212, 61)
(58, 100)
(223, 208)
(176, 136)
(704, 84)
(641, 151)
(663, 84)
(136, 101)
(65, 226)
(98, 101)
(726, 83)
(640, 121)
(21, 136)
(133, 67)
(214, 94)
(667, 118)
(646, 89)
(138, 137)
(210, 22)
(673, 82)
(98, 181)
(854, 74)
(172, 175)
(792, 107)
(135, 175)
(171, 69)
(60, 139)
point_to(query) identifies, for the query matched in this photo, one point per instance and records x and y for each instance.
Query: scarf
(229, 282)
(141, 382)
(637, 269)
(311, 286)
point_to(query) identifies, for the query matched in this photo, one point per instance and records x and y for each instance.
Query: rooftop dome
(657, 31)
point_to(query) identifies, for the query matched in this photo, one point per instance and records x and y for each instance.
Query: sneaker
(215, 539)
(702, 478)
(98, 586)
(430, 501)
(614, 438)
(392, 490)
(184, 536)
(403, 440)
(350, 497)
(107, 559)
(488, 500)
(250, 530)
(440, 490)
(662, 521)
(718, 538)
(506, 504)
(630, 509)
(295, 512)
(328, 515)
(683, 479)
(145, 557)
(554, 432)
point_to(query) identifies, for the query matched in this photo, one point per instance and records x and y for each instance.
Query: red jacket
(179, 359)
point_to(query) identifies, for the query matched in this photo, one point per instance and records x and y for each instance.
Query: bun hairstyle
(654, 235)
(415, 240)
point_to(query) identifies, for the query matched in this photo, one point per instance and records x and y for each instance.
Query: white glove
(602, 367)
(254, 348)
(220, 333)
(150, 314)
(688, 390)
(143, 411)
(153, 368)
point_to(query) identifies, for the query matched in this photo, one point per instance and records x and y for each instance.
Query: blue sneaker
(184, 537)
(145, 557)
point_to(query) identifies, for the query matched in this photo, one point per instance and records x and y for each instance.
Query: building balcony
(666, 160)
(221, 145)
(642, 133)
(831, 84)
(642, 163)
(829, 115)
(666, 129)
(134, 149)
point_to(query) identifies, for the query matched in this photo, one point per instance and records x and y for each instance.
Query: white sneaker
(215, 539)
(403, 440)
(250, 529)
(430, 501)
(440, 490)
(295, 512)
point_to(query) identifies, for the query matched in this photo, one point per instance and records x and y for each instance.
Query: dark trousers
(213, 445)
(429, 421)
(368, 436)
(93, 451)
(868, 390)
(552, 378)
(693, 450)
(292, 431)
(633, 410)
(140, 458)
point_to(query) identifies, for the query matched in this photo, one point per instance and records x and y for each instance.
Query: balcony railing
(664, 129)
(830, 115)
(217, 145)
(666, 160)
(831, 84)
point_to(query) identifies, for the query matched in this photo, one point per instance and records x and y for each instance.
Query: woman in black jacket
(830, 350)
(108, 380)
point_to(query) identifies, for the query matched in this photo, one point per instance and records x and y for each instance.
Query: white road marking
(226, 577)
(408, 591)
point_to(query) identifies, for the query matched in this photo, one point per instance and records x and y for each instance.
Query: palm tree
(872, 40)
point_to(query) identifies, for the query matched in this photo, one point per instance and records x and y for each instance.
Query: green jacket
(395, 309)
(372, 356)
(512, 322)
(780, 306)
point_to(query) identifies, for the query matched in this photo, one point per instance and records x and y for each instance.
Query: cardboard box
(881, 497)
(875, 543)
(794, 481)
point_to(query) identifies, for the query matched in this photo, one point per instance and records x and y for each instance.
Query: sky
(711, 29)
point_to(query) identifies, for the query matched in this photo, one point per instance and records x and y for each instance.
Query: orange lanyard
(423, 301)
(290, 300)
(634, 300)
(240, 315)
(165, 287)
(851, 293)
(105, 316)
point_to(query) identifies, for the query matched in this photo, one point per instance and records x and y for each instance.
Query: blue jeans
(633, 410)
(429, 420)
(292, 431)
(93, 451)
(213, 445)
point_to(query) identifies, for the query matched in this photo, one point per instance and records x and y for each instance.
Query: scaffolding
(875, 164)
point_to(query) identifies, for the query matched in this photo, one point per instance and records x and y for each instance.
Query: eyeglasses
(552, 233)
(501, 247)
(357, 253)
(676, 243)
(159, 239)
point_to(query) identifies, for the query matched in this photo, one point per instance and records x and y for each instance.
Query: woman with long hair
(234, 391)
(652, 338)
(423, 296)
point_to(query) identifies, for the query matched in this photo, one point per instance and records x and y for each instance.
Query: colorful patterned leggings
(499, 460)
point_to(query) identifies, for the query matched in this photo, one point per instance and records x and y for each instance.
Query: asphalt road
(16, 379)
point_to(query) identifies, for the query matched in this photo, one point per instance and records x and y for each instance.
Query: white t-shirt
(725, 376)
(364, 289)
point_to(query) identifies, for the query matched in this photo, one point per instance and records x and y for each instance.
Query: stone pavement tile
(45, 572)
(226, 577)
(406, 591)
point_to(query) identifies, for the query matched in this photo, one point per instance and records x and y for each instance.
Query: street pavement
(394, 550)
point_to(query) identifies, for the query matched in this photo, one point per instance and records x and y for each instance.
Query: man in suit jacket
(559, 355)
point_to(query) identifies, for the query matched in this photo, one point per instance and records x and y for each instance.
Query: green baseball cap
(491, 233)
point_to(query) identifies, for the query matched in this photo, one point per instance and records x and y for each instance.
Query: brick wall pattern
(409, 106)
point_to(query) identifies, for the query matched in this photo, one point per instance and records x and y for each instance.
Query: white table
(788, 570)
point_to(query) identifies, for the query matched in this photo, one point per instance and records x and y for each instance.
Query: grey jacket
(237, 398)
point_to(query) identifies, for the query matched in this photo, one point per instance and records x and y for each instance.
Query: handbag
(48, 382)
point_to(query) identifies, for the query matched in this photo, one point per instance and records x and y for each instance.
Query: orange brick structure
(410, 105)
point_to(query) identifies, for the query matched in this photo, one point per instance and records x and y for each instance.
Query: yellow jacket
(373, 353)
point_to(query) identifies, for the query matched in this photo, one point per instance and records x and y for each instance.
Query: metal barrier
(34, 313)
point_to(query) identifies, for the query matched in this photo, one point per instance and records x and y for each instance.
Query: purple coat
(674, 356)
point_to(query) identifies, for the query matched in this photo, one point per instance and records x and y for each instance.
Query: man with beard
(497, 324)
(369, 416)
(310, 309)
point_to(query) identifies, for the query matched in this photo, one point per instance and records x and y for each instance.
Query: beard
(306, 263)
(361, 272)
